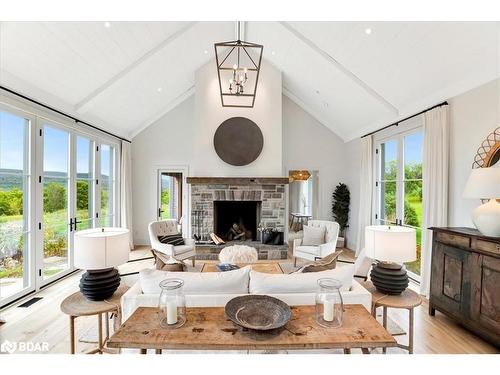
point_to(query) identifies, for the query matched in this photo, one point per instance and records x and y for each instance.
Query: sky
(413, 144)
(56, 147)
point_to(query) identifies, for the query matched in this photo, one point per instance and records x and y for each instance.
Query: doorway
(172, 195)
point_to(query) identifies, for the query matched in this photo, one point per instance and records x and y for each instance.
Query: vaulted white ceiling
(125, 76)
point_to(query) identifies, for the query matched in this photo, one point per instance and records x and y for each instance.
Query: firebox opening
(236, 220)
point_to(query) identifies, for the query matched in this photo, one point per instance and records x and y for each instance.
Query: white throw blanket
(238, 254)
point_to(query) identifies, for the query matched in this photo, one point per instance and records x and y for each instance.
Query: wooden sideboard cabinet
(465, 280)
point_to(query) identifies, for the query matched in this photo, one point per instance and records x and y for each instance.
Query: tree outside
(55, 222)
(412, 202)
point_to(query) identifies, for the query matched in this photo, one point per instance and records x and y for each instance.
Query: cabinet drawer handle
(498, 246)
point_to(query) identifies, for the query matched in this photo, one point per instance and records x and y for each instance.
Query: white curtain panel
(126, 189)
(365, 190)
(435, 184)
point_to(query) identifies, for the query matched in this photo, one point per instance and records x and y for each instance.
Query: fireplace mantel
(237, 180)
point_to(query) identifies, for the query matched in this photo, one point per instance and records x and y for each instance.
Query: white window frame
(397, 133)
(31, 219)
(186, 194)
(38, 116)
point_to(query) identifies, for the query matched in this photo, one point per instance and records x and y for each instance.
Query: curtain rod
(62, 113)
(406, 118)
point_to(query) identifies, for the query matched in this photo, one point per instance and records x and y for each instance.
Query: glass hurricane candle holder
(172, 304)
(329, 303)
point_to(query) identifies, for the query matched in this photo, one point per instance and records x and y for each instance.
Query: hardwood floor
(44, 322)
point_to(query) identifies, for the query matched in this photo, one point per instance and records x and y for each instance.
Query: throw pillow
(266, 283)
(172, 239)
(313, 236)
(327, 263)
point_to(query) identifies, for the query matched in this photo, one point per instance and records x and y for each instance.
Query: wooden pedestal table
(77, 305)
(406, 300)
(208, 328)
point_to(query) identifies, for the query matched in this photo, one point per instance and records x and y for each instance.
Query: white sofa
(217, 288)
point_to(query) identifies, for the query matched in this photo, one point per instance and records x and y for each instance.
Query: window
(53, 182)
(14, 205)
(85, 183)
(170, 195)
(399, 184)
(107, 186)
(56, 202)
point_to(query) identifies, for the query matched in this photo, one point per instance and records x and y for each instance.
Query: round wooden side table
(406, 300)
(77, 305)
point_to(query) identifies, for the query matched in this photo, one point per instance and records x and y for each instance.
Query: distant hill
(12, 178)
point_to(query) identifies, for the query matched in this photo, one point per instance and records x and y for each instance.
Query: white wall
(474, 115)
(184, 137)
(307, 144)
(266, 113)
(168, 142)
(352, 164)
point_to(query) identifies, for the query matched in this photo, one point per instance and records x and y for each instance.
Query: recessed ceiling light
(317, 92)
(107, 24)
(368, 31)
(205, 52)
(273, 53)
(325, 104)
(159, 89)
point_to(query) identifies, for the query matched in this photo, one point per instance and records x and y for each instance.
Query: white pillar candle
(328, 310)
(171, 312)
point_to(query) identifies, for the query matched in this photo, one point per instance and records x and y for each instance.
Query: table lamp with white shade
(390, 246)
(99, 251)
(484, 183)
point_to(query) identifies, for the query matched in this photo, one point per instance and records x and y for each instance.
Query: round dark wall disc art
(238, 141)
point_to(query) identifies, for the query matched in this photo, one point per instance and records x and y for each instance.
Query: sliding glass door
(56, 203)
(79, 184)
(85, 217)
(399, 185)
(55, 179)
(16, 260)
(107, 186)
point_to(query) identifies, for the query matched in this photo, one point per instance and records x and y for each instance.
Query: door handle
(70, 224)
(159, 212)
(76, 222)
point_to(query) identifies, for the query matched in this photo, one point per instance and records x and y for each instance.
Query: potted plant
(341, 199)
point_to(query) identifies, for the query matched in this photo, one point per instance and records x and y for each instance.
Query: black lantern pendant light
(238, 67)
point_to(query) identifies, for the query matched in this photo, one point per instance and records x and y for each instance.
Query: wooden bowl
(257, 312)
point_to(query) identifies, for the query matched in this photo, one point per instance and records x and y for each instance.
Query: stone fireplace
(219, 202)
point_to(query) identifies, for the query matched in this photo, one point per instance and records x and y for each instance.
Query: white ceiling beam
(171, 105)
(371, 91)
(81, 105)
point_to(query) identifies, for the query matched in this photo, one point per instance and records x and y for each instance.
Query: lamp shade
(483, 183)
(101, 248)
(391, 243)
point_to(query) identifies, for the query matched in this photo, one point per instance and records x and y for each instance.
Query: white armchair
(169, 227)
(317, 252)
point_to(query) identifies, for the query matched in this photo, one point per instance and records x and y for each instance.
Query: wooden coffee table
(259, 267)
(208, 328)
